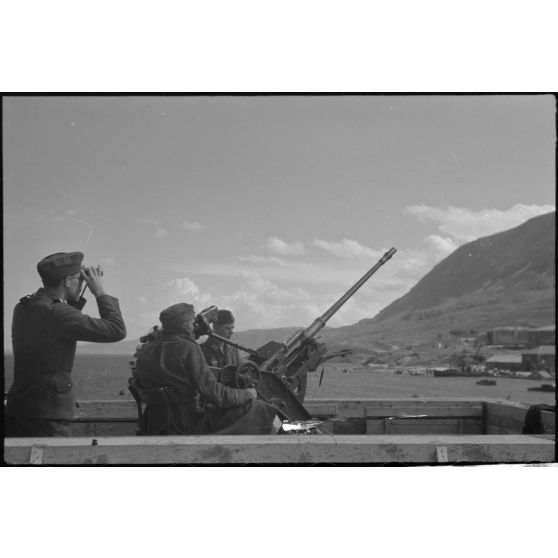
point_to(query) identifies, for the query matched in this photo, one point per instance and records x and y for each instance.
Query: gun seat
(157, 397)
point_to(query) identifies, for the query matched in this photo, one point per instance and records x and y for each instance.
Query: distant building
(521, 336)
(505, 361)
(507, 336)
(540, 358)
(543, 336)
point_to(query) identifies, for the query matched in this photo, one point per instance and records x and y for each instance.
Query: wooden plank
(471, 411)
(357, 408)
(125, 409)
(505, 417)
(502, 416)
(548, 420)
(282, 449)
(317, 409)
(442, 454)
(104, 428)
(110, 410)
(36, 456)
(425, 426)
(376, 426)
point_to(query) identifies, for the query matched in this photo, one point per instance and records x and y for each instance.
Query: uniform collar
(43, 292)
(216, 342)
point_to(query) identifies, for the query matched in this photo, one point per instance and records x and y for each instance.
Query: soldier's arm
(108, 328)
(205, 382)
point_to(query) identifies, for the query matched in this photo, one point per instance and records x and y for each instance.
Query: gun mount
(279, 370)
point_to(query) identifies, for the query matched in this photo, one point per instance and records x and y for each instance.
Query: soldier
(216, 352)
(175, 361)
(45, 328)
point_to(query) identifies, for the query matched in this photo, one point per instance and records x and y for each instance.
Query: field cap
(175, 315)
(60, 265)
(224, 317)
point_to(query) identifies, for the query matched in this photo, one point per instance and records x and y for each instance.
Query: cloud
(191, 226)
(293, 271)
(265, 287)
(464, 225)
(147, 221)
(263, 304)
(346, 249)
(143, 300)
(185, 287)
(301, 272)
(442, 245)
(278, 246)
(108, 261)
(257, 309)
(161, 233)
(255, 259)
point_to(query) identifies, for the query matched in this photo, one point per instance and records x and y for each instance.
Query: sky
(270, 206)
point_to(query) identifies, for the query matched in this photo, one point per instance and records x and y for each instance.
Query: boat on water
(486, 382)
(455, 373)
(544, 387)
(446, 372)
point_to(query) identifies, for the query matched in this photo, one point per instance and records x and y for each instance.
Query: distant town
(515, 352)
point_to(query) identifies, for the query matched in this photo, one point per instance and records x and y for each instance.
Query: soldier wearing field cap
(45, 329)
(218, 353)
(175, 361)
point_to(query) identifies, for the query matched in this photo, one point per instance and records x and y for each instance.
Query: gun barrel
(320, 322)
(236, 345)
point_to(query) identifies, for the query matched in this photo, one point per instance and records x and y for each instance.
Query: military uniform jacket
(175, 360)
(219, 354)
(44, 336)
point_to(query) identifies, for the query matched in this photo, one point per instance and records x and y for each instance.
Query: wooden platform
(362, 416)
(376, 431)
(197, 450)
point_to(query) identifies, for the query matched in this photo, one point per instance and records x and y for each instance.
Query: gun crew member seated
(217, 353)
(45, 328)
(175, 361)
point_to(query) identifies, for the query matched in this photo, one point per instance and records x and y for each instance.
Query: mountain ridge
(506, 279)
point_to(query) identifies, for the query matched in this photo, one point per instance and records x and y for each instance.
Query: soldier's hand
(253, 393)
(199, 403)
(93, 276)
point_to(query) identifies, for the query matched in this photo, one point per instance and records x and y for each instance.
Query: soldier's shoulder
(179, 340)
(34, 301)
(34, 298)
(191, 347)
(191, 343)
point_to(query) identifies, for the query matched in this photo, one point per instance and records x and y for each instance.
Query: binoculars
(203, 319)
(86, 270)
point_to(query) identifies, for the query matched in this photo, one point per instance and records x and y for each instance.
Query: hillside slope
(504, 279)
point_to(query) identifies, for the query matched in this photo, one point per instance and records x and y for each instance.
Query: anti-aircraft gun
(278, 371)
